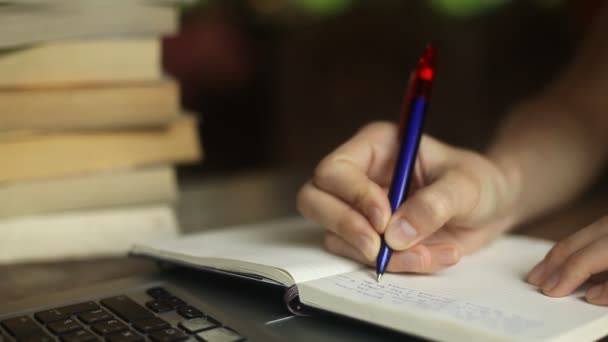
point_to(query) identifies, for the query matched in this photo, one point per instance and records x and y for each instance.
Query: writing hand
(461, 204)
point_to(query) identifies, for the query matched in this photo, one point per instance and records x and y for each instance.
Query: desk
(214, 202)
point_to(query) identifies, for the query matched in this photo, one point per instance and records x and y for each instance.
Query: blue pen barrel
(404, 168)
(406, 159)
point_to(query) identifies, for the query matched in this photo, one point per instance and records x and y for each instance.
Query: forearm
(547, 156)
(551, 147)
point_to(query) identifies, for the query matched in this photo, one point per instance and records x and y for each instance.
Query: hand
(460, 202)
(573, 261)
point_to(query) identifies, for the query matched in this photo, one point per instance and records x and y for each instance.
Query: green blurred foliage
(323, 7)
(466, 8)
(454, 8)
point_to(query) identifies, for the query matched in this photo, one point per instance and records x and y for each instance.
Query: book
(126, 105)
(110, 60)
(81, 234)
(139, 186)
(482, 298)
(33, 22)
(47, 155)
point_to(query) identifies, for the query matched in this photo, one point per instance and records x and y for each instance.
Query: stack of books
(90, 128)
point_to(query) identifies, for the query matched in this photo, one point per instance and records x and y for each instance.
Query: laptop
(176, 304)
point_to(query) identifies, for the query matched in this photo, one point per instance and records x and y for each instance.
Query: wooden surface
(227, 201)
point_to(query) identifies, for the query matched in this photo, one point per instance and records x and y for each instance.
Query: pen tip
(378, 277)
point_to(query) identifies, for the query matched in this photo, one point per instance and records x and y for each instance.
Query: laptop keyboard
(163, 318)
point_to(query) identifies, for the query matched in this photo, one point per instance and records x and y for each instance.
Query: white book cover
(83, 234)
(34, 22)
(104, 189)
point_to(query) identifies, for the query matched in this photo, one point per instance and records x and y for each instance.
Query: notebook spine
(292, 299)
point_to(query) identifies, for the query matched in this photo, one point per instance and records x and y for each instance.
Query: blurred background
(280, 83)
(275, 86)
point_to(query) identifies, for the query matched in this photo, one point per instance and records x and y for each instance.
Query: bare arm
(551, 147)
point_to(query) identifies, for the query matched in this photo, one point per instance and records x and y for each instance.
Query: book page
(485, 297)
(288, 251)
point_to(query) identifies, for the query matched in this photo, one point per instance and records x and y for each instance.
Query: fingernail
(401, 233)
(376, 218)
(594, 292)
(365, 245)
(551, 282)
(537, 273)
(447, 256)
(410, 261)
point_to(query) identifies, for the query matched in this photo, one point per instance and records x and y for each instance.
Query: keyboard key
(172, 301)
(188, 311)
(126, 308)
(197, 324)
(158, 306)
(95, 316)
(151, 324)
(158, 292)
(219, 335)
(40, 337)
(211, 319)
(168, 335)
(63, 327)
(109, 327)
(79, 336)
(64, 312)
(51, 315)
(21, 326)
(125, 336)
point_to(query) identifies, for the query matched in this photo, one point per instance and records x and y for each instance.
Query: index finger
(356, 172)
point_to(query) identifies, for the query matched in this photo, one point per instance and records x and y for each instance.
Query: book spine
(292, 300)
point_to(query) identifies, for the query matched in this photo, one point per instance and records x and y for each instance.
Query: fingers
(562, 251)
(418, 259)
(424, 258)
(345, 180)
(598, 294)
(451, 196)
(577, 269)
(340, 219)
(337, 245)
(358, 170)
(573, 261)
(371, 151)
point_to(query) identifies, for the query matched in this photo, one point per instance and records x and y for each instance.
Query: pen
(412, 119)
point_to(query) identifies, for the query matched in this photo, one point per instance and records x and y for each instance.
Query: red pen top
(426, 64)
(420, 82)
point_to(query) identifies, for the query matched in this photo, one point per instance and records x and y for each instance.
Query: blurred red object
(209, 52)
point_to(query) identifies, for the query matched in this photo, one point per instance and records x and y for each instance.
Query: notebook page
(288, 251)
(485, 297)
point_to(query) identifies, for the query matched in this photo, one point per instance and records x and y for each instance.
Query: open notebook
(483, 298)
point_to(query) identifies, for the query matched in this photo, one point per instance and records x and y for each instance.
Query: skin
(548, 150)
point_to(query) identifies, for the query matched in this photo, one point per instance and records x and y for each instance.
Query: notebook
(482, 298)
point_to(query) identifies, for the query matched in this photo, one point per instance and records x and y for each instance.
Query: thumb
(453, 195)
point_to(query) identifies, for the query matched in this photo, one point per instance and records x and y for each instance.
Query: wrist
(509, 184)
